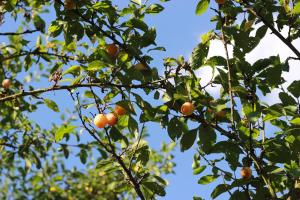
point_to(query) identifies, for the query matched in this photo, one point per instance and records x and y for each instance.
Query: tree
(100, 56)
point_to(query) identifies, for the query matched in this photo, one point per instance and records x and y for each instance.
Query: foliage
(63, 45)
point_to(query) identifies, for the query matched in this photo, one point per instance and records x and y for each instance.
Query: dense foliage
(99, 56)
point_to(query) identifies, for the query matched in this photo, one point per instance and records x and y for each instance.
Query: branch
(229, 71)
(275, 31)
(68, 87)
(110, 150)
(106, 34)
(20, 33)
(37, 53)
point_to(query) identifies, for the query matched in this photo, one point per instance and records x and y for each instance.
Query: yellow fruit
(246, 173)
(187, 108)
(6, 83)
(69, 4)
(221, 2)
(119, 110)
(100, 121)
(112, 50)
(112, 119)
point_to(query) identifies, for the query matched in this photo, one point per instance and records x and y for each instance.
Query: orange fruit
(100, 120)
(246, 173)
(221, 2)
(69, 4)
(112, 50)
(187, 108)
(119, 110)
(6, 83)
(112, 119)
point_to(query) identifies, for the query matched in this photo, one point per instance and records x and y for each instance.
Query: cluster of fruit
(110, 119)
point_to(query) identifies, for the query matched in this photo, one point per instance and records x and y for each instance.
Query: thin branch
(68, 87)
(39, 53)
(19, 33)
(275, 31)
(110, 150)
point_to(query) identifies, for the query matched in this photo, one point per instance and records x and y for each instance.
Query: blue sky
(179, 30)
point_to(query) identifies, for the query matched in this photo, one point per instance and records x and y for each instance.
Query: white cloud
(270, 45)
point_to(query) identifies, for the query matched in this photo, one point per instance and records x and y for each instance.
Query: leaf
(96, 65)
(199, 170)
(138, 2)
(74, 70)
(219, 190)
(51, 104)
(83, 155)
(207, 137)
(294, 88)
(296, 9)
(59, 134)
(207, 179)
(39, 23)
(155, 188)
(296, 121)
(154, 9)
(199, 55)
(202, 6)
(188, 139)
(55, 29)
(287, 99)
(175, 128)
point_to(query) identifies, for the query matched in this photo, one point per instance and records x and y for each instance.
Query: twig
(20, 33)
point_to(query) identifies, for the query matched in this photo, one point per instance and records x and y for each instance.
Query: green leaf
(83, 156)
(207, 137)
(154, 9)
(138, 2)
(59, 134)
(296, 9)
(199, 170)
(55, 29)
(202, 6)
(96, 65)
(294, 88)
(175, 128)
(51, 104)
(219, 190)
(155, 188)
(287, 99)
(74, 70)
(188, 139)
(207, 179)
(199, 55)
(39, 23)
(296, 121)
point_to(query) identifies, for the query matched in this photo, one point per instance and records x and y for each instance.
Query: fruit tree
(83, 85)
